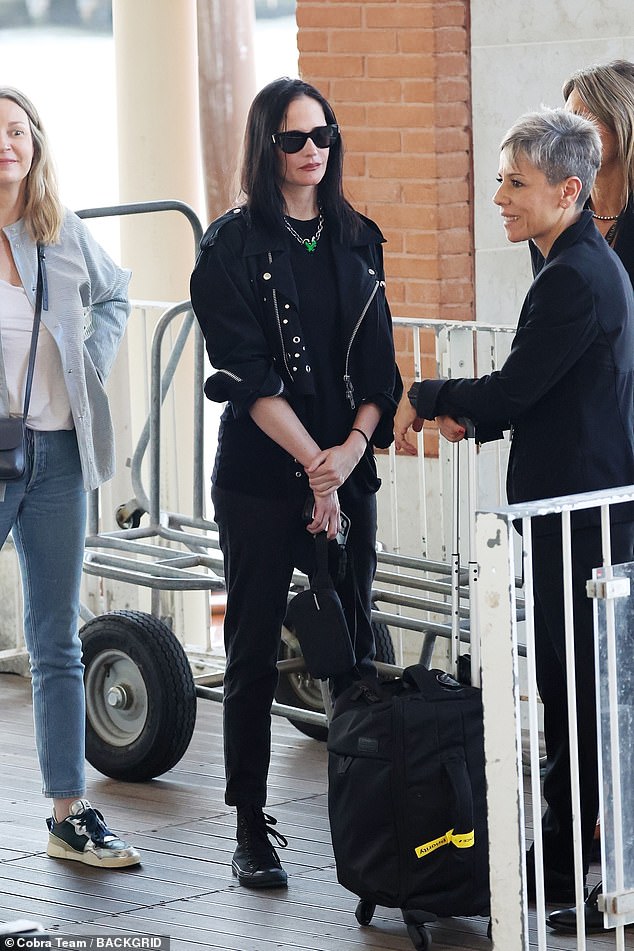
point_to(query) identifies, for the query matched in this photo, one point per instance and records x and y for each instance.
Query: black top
(622, 243)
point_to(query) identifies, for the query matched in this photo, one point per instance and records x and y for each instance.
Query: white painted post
(502, 736)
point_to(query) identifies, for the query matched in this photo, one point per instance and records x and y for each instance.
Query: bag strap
(321, 577)
(39, 295)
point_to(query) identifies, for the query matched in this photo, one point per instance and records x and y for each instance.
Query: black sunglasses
(322, 135)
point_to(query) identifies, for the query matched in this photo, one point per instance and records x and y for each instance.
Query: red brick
(312, 41)
(417, 41)
(330, 15)
(395, 290)
(322, 64)
(415, 115)
(363, 41)
(456, 292)
(450, 39)
(372, 140)
(408, 216)
(419, 90)
(354, 165)
(451, 64)
(404, 15)
(426, 292)
(453, 89)
(350, 115)
(407, 266)
(456, 266)
(420, 193)
(450, 14)
(421, 242)
(375, 190)
(401, 64)
(452, 242)
(420, 142)
(403, 166)
(366, 90)
(454, 216)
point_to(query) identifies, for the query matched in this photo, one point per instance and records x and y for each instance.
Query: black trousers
(551, 682)
(263, 541)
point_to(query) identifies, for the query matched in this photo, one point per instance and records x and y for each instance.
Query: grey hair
(559, 144)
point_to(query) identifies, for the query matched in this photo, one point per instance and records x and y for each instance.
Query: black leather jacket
(244, 296)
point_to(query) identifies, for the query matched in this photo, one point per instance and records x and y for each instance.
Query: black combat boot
(255, 862)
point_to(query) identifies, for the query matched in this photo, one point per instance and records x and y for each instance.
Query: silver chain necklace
(309, 243)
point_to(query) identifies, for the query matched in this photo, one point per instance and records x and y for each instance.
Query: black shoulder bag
(316, 618)
(13, 429)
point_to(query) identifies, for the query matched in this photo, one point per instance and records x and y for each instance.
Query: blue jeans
(46, 514)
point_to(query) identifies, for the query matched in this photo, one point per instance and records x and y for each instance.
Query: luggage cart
(141, 692)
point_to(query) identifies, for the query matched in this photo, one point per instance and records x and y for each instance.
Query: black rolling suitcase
(407, 799)
(406, 781)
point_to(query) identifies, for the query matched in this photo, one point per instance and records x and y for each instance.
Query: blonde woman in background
(69, 450)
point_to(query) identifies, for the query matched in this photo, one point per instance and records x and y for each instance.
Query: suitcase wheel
(420, 936)
(364, 911)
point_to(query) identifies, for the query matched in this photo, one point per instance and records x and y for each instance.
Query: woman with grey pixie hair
(566, 390)
(557, 144)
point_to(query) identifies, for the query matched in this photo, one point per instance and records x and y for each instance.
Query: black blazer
(567, 387)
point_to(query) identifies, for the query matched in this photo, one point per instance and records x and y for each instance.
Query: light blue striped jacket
(87, 313)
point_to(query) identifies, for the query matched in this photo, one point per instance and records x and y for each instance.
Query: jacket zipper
(346, 376)
(279, 323)
(233, 376)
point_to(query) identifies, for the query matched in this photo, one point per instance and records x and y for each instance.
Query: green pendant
(310, 245)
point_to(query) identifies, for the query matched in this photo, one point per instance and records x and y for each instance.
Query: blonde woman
(605, 94)
(69, 451)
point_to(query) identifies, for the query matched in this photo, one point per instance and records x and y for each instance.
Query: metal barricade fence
(420, 572)
(499, 628)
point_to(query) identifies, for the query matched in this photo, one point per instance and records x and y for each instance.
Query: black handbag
(13, 429)
(316, 618)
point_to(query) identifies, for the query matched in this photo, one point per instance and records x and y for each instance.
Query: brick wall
(397, 74)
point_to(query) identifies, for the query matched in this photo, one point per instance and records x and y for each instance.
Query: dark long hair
(260, 176)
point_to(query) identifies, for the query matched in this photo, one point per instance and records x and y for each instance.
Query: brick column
(397, 74)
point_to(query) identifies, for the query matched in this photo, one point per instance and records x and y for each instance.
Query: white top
(49, 406)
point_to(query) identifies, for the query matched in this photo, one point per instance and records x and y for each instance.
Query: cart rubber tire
(364, 912)
(140, 696)
(304, 692)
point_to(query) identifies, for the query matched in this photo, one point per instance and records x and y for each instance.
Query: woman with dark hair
(47, 254)
(290, 295)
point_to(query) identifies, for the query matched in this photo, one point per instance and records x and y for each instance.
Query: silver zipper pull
(349, 390)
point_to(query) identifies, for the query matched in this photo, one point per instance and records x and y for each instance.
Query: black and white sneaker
(85, 837)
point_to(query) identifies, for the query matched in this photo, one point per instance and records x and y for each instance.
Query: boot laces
(254, 831)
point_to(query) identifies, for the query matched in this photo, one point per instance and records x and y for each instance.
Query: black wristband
(412, 394)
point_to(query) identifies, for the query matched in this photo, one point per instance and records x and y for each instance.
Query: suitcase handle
(430, 682)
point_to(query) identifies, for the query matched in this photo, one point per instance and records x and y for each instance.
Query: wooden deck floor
(184, 887)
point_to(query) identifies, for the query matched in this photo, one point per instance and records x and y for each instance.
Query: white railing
(498, 565)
